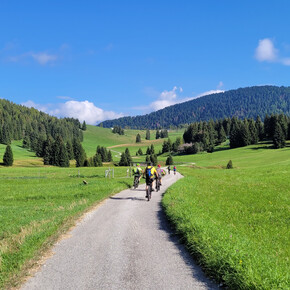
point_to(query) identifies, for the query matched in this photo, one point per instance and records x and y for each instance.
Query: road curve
(126, 243)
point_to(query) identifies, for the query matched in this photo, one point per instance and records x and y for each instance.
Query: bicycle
(136, 182)
(158, 184)
(149, 191)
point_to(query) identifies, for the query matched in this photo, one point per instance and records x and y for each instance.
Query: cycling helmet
(159, 165)
(138, 164)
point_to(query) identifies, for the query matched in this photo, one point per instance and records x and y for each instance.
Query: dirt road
(126, 243)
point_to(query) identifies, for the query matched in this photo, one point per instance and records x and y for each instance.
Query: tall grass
(236, 222)
(36, 204)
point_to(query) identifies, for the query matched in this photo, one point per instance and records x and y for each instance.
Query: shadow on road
(128, 198)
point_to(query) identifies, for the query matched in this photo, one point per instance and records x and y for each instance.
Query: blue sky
(96, 60)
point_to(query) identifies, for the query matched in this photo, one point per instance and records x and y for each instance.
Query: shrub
(230, 165)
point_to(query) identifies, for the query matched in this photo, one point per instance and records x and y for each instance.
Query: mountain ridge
(243, 103)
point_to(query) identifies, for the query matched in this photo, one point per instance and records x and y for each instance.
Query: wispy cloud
(266, 52)
(11, 53)
(43, 58)
(172, 97)
(84, 111)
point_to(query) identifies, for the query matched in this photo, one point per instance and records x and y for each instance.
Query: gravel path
(126, 243)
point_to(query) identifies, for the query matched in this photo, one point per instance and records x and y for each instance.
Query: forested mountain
(241, 103)
(56, 140)
(18, 122)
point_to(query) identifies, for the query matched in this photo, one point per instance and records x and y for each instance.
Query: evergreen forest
(243, 103)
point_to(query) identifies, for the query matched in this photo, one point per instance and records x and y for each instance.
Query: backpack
(148, 172)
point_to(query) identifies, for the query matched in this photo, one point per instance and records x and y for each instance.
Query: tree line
(204, 136)
(243, 103)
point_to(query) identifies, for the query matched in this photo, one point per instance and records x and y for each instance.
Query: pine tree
(97, 160)
(169, 160)
(147, 135)
(278, 137)
(70, 151)
(147, 160)
(138, 138)
(124, 160)
(153, 159)
(157, 136)
(48, 151)
(110, 157)
(8, 156)
(260, 128)
(63, 159)
(79, 153)
(140, 152)
(128, 155)
(253, 131)
(152, 150)
(84, 126)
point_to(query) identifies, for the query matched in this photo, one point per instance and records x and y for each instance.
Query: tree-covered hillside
(242, 103)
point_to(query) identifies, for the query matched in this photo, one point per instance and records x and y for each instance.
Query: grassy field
(236, 222)
(38, 204)
(95, 136)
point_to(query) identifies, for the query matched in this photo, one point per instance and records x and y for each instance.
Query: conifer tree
(279, 137)
(260, 128)
(97, 160)
(253, 132)
(169, 160)
(140, 152)
(63, 160)
(8, 156)
(147, 135)
(70, 151)
(79, 153)
(157, 136)
(124, 160)
(138, 138)
(84, 126)
(110, 157)
(153, 159)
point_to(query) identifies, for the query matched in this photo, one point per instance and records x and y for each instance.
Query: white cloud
(43, 58)
(208, 93)
(84, 111)
(266, 51)
(169, 98)
(166, 98)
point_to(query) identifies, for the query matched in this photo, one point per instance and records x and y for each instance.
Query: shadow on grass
(129, 185)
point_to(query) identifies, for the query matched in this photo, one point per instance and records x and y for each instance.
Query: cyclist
(168, 169)
(137, 171)
(174, 170)
(159, 174)
(150, 174)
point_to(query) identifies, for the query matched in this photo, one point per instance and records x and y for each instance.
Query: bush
(230, 165)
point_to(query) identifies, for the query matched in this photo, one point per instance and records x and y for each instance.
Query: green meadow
(236, 221)
(37, 204)
(95, 136)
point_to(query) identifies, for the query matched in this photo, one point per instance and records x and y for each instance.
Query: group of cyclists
(150, 173)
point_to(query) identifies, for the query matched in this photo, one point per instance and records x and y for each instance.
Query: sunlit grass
(236, 222)
(36, 204)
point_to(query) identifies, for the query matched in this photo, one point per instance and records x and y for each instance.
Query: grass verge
(236, 222)
(38, 204)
